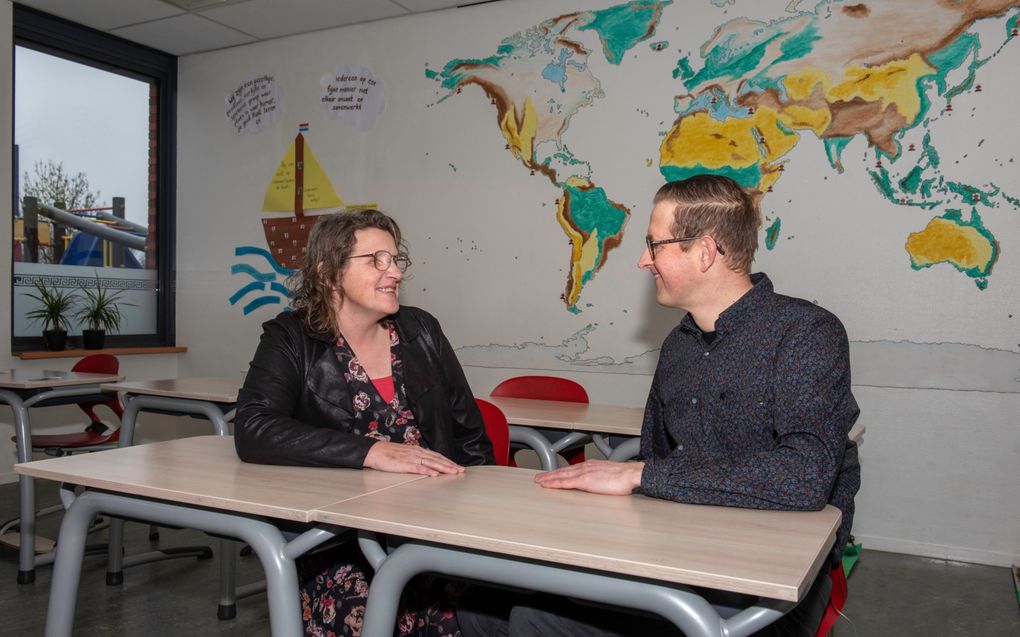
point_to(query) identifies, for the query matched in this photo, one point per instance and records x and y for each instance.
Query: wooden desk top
(555, 414)
(49, 378)
(205, 470)
(217, 390)
(611, 419)
(500, 509)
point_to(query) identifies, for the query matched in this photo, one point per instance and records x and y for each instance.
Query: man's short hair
(717, 206)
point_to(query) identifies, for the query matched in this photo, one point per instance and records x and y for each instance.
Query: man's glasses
(652, 245)
(383, 259)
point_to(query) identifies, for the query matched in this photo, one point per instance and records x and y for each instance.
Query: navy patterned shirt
(757, 418)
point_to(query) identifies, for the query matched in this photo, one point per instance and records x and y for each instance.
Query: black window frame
(49, 34)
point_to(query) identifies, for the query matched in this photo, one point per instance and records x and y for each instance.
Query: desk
(582, 419)
(210, 398)
(496, 525)
(22, 390)
(198, 482)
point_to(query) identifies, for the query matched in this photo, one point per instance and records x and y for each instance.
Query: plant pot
(55, 340)
(93, 339)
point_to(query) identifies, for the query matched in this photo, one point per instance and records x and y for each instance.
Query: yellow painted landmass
(521, 138)
(801, 83)
(576, 250)
(800, 117)
(318, 191)
(891, 83)
(579, 182)
(944, 241)
(736, 142)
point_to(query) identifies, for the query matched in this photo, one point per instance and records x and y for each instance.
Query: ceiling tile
(183, 34)
(275, 18)
(105, 14)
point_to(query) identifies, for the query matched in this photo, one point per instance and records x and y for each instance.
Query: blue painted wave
(266, 287)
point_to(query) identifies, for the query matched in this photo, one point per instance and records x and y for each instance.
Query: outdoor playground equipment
(100, 239)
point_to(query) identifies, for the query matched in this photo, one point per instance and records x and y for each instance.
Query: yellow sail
(317, 193)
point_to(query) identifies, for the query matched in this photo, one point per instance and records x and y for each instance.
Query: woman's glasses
(383, 259)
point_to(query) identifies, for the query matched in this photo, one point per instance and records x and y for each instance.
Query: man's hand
(595, 476)
(400, 458)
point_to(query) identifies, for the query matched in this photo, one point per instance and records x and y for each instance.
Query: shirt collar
(743, 310)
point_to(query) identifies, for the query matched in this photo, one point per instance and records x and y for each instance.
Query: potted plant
(99, 311)
(56, 306)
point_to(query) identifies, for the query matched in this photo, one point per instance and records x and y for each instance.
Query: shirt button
(694, 401)
(706, 353)
(680, 447)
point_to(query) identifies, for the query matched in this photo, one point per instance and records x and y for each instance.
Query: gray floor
(890, 594)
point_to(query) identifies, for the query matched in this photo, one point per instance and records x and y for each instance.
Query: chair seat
(73, 440)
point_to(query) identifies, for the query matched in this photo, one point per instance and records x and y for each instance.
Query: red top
(385, 387)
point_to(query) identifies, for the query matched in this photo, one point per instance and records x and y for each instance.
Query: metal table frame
(532, 438)
(677, 603)
(220, 415)
(20, 400)
(274, 551)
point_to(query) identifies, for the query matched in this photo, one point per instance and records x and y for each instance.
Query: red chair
(97, 434)
(837, 599)
(546, 388)
(497, 429)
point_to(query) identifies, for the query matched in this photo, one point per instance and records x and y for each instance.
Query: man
(750, 405)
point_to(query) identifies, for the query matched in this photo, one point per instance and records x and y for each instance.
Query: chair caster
(228, 611)
(26, 577)
(115, 579)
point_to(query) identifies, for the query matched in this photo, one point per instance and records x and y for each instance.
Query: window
(94, 135)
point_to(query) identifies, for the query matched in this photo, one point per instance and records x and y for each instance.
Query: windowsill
(116, 351)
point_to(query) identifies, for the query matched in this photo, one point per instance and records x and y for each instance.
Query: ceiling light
(195, 5)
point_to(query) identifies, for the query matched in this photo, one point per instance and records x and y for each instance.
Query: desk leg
(680, 605)
(264, 538)
(531, 438)
(227, 608)
(26, 493)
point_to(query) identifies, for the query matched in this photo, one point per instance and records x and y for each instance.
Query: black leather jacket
(295, 409)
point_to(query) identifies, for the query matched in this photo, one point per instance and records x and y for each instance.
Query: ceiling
(181, 27)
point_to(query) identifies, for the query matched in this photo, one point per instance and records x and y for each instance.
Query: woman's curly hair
(329, 245)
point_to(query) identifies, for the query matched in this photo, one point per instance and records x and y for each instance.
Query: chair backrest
(99, 364)
(497, 429)
(542, 388)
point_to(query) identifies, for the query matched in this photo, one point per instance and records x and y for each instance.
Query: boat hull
(288, 238)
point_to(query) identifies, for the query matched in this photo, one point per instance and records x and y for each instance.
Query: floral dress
(335, 582)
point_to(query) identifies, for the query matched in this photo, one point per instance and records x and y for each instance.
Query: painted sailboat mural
(301, 189)
(298, 195)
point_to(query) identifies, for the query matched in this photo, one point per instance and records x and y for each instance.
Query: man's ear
(709, 253)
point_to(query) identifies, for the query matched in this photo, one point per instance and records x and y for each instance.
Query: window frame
(62, 38)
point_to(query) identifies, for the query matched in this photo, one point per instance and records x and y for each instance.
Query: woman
(352, 379)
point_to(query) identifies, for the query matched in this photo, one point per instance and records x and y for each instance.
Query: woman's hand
(400, 458)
